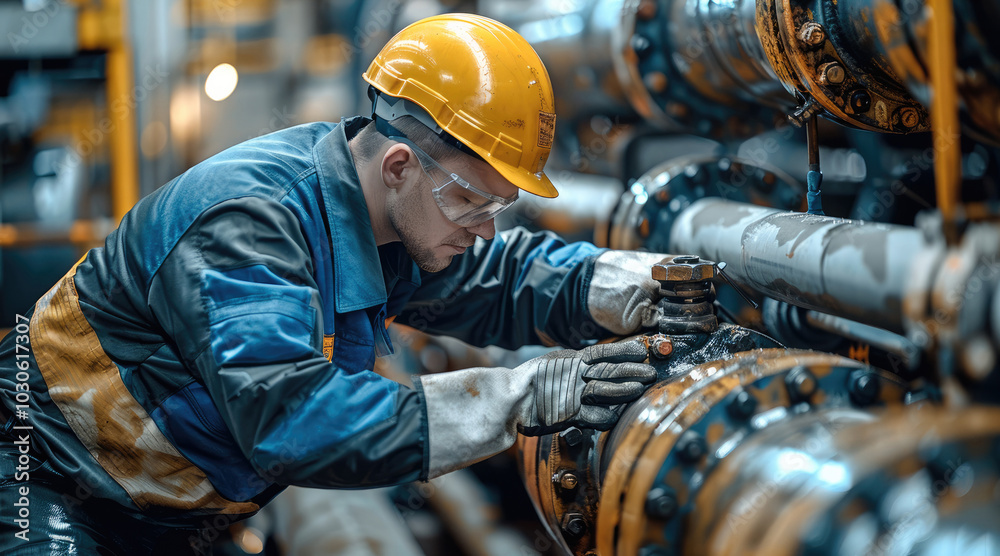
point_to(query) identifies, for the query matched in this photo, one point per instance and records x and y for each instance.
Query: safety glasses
(460, 201)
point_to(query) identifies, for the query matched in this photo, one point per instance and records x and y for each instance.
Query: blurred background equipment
(837, 160)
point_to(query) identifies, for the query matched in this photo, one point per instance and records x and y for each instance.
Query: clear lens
(460, 201)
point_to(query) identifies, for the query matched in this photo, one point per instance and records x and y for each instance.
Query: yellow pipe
(106, 28)
(124, 147)
(944, 110)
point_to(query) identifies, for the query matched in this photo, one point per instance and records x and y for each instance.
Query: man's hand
(475, 413)
(623, 295)
(574, 388)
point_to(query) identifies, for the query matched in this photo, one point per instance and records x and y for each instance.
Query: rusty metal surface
(904, 37)
(544, 460)
(848, 482)
(695, 65)
(770, 451)
(854, 269)
(646, 213)
(699, 407)
(825, 52)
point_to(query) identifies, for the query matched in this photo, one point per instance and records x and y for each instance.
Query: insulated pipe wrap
(849, 268)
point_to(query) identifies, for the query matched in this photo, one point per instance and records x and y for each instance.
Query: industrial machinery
(841, 399)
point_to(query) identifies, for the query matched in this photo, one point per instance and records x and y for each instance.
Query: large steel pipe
(849, 268)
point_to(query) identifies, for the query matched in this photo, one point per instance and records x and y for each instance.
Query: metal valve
(686, 287)
(688, 295)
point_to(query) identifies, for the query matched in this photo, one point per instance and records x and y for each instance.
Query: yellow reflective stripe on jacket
(117, 431)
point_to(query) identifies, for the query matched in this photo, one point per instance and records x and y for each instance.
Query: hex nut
(801, 384)
(661, 346)
(690, 447)
(832, 73)
(574, 525)
(864, 387)
(743, 406)
(909, 117)
(812, 34)
(661, 504)
(566, 480)
(683, 272)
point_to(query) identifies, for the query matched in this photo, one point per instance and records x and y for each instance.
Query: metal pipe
(878, 338)
(944, 113)
(848, 268)
(106, 28)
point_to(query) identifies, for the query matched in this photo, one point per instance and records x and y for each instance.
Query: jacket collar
(360, 278)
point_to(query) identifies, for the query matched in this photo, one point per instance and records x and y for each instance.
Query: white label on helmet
(546, 129)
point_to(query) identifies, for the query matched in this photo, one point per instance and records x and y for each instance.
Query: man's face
(431, 239)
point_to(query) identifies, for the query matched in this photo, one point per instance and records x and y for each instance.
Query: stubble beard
(405, 223)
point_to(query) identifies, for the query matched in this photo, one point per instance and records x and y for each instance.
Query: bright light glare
(221, 82)
(640, 193)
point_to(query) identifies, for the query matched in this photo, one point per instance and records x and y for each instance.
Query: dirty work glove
(570, 387)
(473, 414)
(623, 296)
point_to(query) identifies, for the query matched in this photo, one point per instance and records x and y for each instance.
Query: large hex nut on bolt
(683, 268)
(574, 525)
(661, 504)
(801, 384)
(690, 447)
(864, 387)
(742, 406)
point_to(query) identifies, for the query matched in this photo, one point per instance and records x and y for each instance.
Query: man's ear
(398, 165)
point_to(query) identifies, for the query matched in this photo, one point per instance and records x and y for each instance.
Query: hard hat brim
(536, 184)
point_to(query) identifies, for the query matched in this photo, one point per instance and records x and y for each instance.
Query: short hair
(370, 141)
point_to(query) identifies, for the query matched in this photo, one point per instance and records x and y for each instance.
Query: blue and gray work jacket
(220, 345)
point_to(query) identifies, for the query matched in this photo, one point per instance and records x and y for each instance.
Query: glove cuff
(418, 387)
(621, 296)
(473, 414)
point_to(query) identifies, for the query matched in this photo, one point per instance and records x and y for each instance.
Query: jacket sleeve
(237, 296)
(518, 289)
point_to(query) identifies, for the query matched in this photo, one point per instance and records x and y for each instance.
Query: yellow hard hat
(482, 84)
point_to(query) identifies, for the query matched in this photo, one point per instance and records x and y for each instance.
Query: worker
(219, 346)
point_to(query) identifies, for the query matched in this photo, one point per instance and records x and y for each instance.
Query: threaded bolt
(832, 73)
(662, 347)
(909, 117)
(812, 33)
(566, 480)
